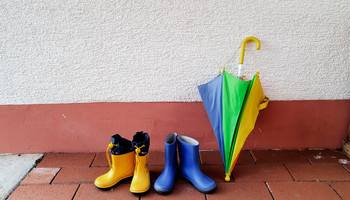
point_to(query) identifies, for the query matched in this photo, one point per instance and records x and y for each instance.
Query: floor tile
(67, 160)
(211, 158)
(318, 172)
(100, 160)
(279, 157)
(156, 158)
(245, 158)
(79, 174)
(248, 173)
(342, 188)
(180, 191)
(90, 192)
(40, 176)
(215, 172)
(155, 172)
(324, 156)
(44, 192)
(214, 158)
(246, 191)
(302, 190)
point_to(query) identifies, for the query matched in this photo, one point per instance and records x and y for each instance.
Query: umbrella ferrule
(227, 177)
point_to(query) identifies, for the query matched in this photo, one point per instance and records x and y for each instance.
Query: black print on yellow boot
(141, 181)
(122, 165)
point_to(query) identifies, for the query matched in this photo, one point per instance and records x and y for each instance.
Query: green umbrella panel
(234, 92)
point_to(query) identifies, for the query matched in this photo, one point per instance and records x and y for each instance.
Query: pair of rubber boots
(129, 158)
(188, 168)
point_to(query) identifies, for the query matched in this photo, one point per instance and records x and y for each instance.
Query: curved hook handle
(257, 42)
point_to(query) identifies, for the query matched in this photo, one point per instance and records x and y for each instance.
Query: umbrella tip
(227, 178)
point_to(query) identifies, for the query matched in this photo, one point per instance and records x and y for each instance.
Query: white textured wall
(92, 51)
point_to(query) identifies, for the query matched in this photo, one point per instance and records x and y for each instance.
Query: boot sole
(119, 182)
(163, 192)
(204, 192)
(140, 193)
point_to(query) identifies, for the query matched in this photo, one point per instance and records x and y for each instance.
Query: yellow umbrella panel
(256, 100)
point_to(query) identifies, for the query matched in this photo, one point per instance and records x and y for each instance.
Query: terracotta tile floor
(266, 174)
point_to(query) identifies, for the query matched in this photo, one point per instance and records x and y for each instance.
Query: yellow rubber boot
(141, 181)
(122, 167)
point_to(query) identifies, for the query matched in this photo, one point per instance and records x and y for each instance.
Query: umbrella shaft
(239, 71)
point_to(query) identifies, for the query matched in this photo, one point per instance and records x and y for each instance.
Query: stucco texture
(154, 51)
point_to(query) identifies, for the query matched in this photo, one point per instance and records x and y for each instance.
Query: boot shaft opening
(141, 140)
(188, 140)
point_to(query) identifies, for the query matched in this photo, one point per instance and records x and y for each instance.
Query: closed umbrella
(232, 106)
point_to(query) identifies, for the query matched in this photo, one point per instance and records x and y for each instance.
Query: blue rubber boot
(189, 165)
(165, 182)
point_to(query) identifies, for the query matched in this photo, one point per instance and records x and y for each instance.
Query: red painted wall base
(87, 127)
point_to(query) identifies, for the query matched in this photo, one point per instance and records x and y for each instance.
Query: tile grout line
(200, 158)
(252, 156)
(314, 181)
(284, 165)
(337, 181)
(348, 170)
(269, 189)
(334, 190)
(306, 157)
(93, 159)
(75, 193)
(55, 176)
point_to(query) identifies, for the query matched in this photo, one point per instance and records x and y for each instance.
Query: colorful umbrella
(232, 106)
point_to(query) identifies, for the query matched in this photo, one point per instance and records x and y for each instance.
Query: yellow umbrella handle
(257, 42)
